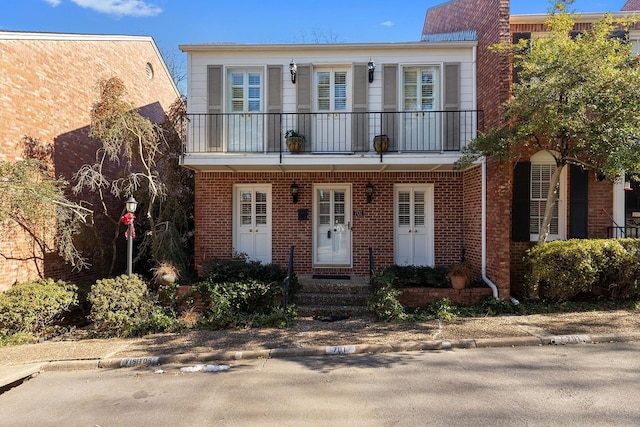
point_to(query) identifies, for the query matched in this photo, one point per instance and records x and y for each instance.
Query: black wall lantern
(368, 191)
(293, 68)
(294, 192)
(372, 67)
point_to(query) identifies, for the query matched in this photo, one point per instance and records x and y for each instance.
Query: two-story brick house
(409, 204)
(48, 84)
(338, 197)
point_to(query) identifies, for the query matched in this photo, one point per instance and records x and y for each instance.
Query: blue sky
(175, 22)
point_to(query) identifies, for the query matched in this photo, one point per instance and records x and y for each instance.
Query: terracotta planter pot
(381, 143)
(294, 144)
(458, 282)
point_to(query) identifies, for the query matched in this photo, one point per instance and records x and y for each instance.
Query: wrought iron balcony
(332, 133)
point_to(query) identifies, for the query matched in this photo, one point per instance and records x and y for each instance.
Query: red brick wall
(47, 88)
(472, 213)
(631, 5)
(213, 215)
(490, 19)
(421, 297)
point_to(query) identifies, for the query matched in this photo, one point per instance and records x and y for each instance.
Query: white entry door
(413, 214)
(252, 222)
(332, 225)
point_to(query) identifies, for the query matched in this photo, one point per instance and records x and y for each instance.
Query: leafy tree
(30, 194)
(577, 97)
(134, 146)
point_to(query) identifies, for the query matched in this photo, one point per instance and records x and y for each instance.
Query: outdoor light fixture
(293, 68)
(369, 192)
(372, 67)
(627, 185)
(127, 219)
(131, 205)
(294, 192)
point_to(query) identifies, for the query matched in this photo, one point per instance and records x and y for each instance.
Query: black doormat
(332, 276)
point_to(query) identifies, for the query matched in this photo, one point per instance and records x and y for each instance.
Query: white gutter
(488, 281)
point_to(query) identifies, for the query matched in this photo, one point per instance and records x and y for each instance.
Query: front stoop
(332, 298)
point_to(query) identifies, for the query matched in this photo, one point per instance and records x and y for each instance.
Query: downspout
(488, 281)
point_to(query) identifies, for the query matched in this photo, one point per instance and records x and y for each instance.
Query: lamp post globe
(130, 205)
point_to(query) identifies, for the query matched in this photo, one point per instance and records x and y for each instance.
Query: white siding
(244, 56)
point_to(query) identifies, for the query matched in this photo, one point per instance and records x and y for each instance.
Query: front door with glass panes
(332, 225)
(245, 128)
(332, 124)
(421, 102)
(252, 222)
(414, 224)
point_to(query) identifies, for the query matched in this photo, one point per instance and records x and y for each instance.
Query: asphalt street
(564, 385)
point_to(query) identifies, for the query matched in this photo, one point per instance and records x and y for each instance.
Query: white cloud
(119, 7)
(53, 3)
(387, 24)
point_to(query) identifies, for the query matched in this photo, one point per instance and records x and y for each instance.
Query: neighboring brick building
(588, 207)
(587, 204)
(48, 83)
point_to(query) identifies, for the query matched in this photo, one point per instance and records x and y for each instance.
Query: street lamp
(127, 219)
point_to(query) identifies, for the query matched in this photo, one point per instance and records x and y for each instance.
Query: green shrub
(120, 306)
(416, 276)
(384, 303)
(240, 270)
(564, 269)
(34, 307)
(240, 304)
(160, 320)
(442, 309)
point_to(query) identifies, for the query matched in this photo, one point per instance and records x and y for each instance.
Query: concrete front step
(314, 298)
(332, 297)
(332, 311)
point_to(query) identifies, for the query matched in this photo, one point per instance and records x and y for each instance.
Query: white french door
(414, 225)
(252, 222)
(421, 101)
(245, 128)
(332, 124)
(332, 225)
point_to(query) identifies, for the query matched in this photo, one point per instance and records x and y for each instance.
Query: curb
(188, 358)
(114, 363)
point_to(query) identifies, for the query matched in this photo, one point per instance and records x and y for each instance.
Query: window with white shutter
(542, 168)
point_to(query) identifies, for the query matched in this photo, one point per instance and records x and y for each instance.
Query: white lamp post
(130, 206)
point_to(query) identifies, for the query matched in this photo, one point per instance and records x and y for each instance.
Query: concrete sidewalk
(313, 338)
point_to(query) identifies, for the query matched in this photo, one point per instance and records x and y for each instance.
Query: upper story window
(420, 88)
(331, 90)
(244, 90)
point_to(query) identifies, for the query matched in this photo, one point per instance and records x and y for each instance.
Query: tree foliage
(145, 156)
(577, 97)
(30, 195)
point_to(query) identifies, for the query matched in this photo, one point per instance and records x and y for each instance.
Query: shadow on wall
(70, 151)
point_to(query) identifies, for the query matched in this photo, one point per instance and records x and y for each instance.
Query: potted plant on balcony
(460, 275)
(381, 143)
(295, 140)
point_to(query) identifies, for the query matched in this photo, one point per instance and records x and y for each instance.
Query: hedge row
(564, 269)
